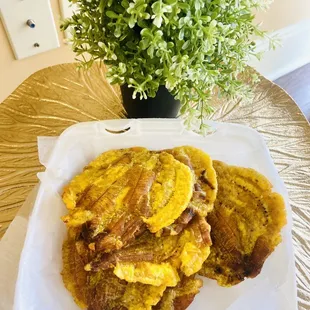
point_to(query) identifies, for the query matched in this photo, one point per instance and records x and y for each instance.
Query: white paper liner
(39, 283)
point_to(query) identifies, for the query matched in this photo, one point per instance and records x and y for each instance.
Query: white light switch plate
(15, 14)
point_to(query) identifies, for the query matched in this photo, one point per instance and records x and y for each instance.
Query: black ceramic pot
(162, 106)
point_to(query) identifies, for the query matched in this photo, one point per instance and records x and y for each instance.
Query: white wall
(283, 13)
(293, 53)
(13, 72)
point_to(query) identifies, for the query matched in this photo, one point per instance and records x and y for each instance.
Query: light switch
(30, 26)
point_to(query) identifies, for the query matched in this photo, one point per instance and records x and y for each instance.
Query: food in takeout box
(139, 227)
(246, 222)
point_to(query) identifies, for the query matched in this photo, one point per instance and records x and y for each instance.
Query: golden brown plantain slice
(154, 260)
(141, 296)
(155, 201)
(108, 292)
(102, 289)
(145, 248)
(111, 293)
(97, 169)
(116, 200)
(73, 273)
(147, 273)
(147, 188)
(181, 296)
(124, 200)
(194, 247)
(179, 224)
(246, 224)
(205, 189)
(105, 291)
(102, 178)
(170, 193)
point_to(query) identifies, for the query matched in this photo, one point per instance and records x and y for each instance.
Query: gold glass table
(56, 97)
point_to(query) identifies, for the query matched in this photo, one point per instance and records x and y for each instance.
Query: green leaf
(157, 21)
(117, 32)
(246, 16)
(146, 33)
(125, 4)
(184, 6)
(197, 5)
(131, 45)
(157, 7)
(199, 33)
(132, 21)
(142, 23)
(219, 47)
(181, 34)
(102, 6)
(186, 45)
(112, 14)
(144, 43)
(213, 24)
(150, 51)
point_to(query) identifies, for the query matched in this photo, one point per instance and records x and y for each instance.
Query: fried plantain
(96, 171)
(161, 255)
(181, 296)
(170, 193)
(139, 296)
(246, 224)
(73, 273)
(115, 200)
(147, 273)
(104, 290)
(205, 188)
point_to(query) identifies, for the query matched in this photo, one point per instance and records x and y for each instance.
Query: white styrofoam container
(39, 285)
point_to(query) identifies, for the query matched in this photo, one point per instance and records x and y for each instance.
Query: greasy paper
(11, 246)
(39, 284)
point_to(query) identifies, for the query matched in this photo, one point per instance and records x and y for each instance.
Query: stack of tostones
(138, 229)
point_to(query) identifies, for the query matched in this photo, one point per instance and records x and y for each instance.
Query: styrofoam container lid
(39, 285)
